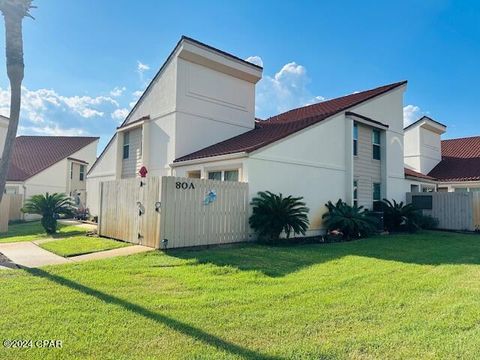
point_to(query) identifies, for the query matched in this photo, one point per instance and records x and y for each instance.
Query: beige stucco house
(53, 164)
(197, 119)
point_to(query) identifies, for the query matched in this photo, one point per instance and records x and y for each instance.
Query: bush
(50, 207)
(274, 214)
(398, 217)
(427, 221)
(349, 222)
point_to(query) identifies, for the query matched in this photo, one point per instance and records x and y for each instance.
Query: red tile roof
(460, 160)
(33, 154)
(287, 123)
(412, 173)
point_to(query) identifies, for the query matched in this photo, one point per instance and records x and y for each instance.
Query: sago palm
(273, 214)
(397, 214)
(352, 221)
(13, 12)
(50, 207)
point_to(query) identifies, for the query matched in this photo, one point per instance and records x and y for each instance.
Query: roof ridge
(462, 138)
(392, 85)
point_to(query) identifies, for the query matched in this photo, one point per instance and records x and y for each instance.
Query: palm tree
(13, 12)
(274, 214)
(50, 207)
(398, 215)
(352, 221)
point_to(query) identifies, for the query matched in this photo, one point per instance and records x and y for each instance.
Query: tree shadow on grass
(173, 324)
(424, 248)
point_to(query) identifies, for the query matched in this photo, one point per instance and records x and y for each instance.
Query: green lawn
(33, 231)
(393, 297)
(79, 245)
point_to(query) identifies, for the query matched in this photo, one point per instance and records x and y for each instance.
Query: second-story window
(376, 144)
(355, 139)
(126, 145)
(82, 172)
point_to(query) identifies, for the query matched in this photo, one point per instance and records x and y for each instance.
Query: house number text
(184, 185)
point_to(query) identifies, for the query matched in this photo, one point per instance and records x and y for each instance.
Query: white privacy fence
(454, 210)
(172, 212)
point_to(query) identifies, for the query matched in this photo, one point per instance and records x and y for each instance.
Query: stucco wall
(422, 149)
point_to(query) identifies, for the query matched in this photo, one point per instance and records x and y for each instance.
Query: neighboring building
(3, 132)
(53, 164)
(441, 165)
(197, 119)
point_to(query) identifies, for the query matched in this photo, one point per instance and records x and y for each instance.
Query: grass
(30, 231)
(80, 245)
(395, 297)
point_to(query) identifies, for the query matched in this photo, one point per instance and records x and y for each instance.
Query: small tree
(49, 207)
(352, 221)
(399, 215)
(274, 214)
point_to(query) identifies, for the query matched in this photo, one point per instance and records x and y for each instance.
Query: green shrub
(399, 216)
(351, 221)
(427, 221)
(50, 207)
(274, 214)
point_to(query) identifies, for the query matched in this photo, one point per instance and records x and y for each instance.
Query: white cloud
(286, 90)
(141, 67)
(411, 113)
(257, 60)
(137, 93)
(50, 130)
(117, 91)
(120, 114)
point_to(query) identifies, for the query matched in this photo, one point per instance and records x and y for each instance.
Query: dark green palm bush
(352, 222)
(273, 214)
(399, 216)
(50, 207)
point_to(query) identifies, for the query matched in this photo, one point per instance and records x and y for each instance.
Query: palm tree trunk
(15, 71)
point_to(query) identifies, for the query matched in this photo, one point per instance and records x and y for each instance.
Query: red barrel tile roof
(287, 123)
(412, 173)
(33, 154)
(460, 160)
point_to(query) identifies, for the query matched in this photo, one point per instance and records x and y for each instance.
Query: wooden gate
(203, 212)
(171, 212)
(128, 210)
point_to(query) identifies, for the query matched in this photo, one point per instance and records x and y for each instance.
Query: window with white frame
(376, 144)
(224, 175)
(82, 172)
(377, 192)
(126, 145)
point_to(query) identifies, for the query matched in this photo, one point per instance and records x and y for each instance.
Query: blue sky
(87, 61)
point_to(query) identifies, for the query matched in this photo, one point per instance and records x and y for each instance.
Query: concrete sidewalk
(28, 254)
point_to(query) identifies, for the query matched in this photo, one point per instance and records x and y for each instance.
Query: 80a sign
(183, 185)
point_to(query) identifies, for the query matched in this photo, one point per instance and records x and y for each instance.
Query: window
(71, 170)
(355, 193)
(230, 175)
(377, 196)
(376, 144)
(355, 139)
(414, 188)
(196, 174)
(126, 145)
(224, 175)
(82, 172)
(461, 189)
(215, 175)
